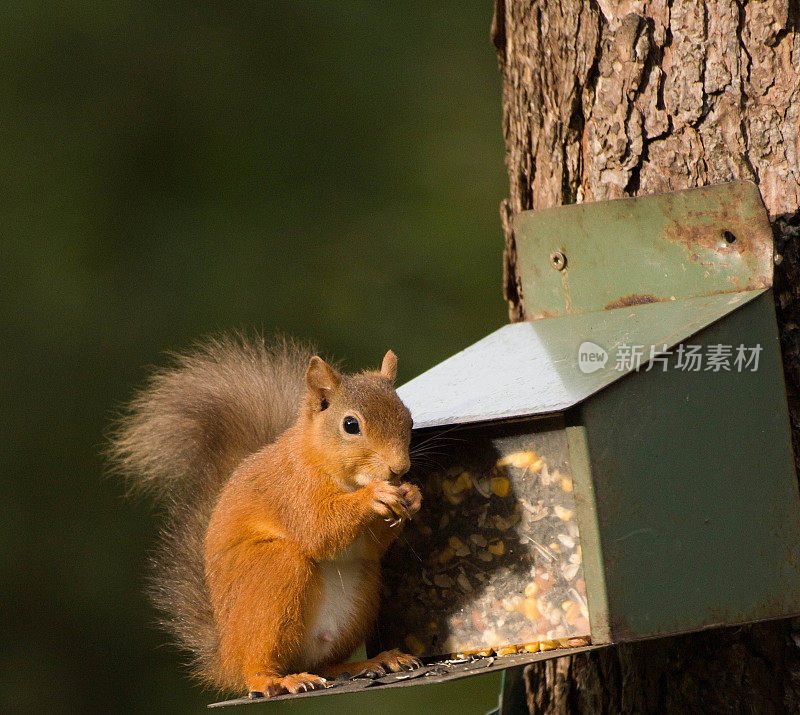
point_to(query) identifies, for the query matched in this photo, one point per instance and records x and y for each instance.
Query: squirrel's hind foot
(394, 661)
(303, 682)
(390, 661)
(269, 686)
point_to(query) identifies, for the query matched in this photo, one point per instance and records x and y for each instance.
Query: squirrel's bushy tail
(181, 437)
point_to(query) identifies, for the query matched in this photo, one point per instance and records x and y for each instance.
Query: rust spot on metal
(707, 233)
(632, 299)
(758, 283)
(729, 237)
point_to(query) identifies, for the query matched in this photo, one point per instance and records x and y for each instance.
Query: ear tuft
(389, 366)
(321, 379)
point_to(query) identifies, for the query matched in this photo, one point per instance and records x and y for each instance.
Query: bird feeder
(617, 467)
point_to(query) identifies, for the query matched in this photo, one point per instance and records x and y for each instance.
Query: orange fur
(264, 533)
(293, 505)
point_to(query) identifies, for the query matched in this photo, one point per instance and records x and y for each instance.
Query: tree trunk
(610, 98)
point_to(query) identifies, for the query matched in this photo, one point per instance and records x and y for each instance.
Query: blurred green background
(331, 170)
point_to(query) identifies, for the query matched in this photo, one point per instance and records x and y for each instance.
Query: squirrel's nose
(400, 464)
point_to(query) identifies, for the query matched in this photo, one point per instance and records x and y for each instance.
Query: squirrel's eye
(350, 425)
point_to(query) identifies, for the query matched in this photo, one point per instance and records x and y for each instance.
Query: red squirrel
(282, 483)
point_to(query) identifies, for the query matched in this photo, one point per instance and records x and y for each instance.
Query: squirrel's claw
(371, 672)
(414, 663)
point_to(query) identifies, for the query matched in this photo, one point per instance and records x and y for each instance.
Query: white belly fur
(341, 578)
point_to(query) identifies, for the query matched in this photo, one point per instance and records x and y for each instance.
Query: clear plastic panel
(493, 559)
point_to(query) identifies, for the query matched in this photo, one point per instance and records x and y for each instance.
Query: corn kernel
(566, 484)
(507, 650)
(562, 513)
(455, 543)
(531, 590)
(548, 645)
(450, 493)
(462, 483)
(498, 548)
(521, 460)
(530, 609)
(532, 647)
(572, 613)
(484, 652)
(501, 486)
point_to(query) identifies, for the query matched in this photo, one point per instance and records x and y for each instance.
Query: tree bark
(610, 98)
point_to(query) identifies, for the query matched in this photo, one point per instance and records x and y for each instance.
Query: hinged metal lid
(534, 368)
(715, 239)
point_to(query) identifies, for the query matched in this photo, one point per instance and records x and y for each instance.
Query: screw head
(558, 260)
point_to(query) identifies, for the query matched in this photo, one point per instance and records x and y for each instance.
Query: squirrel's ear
(389, 366)
(321, 378)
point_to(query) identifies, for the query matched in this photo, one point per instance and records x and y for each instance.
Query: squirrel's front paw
(388, 500)
(412, 498)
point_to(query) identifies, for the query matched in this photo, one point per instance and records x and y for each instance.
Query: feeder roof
(533, 368)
